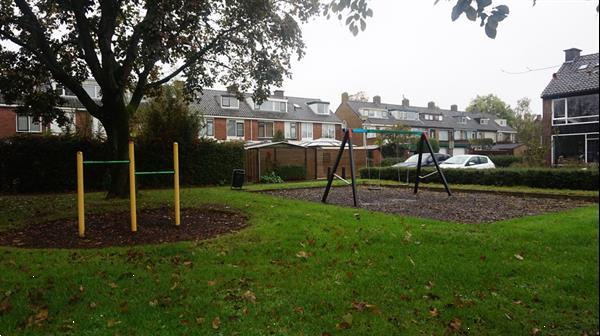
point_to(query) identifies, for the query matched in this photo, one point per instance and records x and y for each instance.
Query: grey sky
(412, 48)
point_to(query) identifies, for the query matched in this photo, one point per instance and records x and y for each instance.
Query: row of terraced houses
(304, 120)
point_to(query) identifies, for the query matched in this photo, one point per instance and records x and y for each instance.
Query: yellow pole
(132, 200)
(80, 205)
(176, 182)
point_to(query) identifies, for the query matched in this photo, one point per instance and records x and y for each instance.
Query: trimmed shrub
(503, 161)
(535, 177)
(391, 161)
(35, 163)
(291, 173)
(271, 178)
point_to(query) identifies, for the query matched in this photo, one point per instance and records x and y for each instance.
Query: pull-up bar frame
(347, 139)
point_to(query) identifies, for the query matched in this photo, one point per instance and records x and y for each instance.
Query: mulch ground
(155, 226)
(462, 207)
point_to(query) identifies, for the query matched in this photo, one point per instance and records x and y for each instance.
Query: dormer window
(229, 102)
(319, 107)
(484, 121)
(462, 120)
(272, 106)
(501, 122)
(405, 115)
(374, 113)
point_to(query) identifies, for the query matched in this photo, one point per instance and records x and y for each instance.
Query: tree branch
(86, 41)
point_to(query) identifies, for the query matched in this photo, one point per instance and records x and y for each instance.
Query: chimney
(431, 105)
(405, 102)
(345, 97)
(377, 99)
(572, 54)
(278, 93)
(453, 107)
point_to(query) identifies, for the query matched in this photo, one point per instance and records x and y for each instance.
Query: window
(484, 121)
(63, 91)
(501, 122)
(405, 115)
(575, 110)
(92, 90)
(229, 102)
(483, 159)
(374, 113)
(208, 130)
(307, 131)
(28, 124)
(290, 130)
(235, 128)
(272, 106)
(428, 117)
(443, 135)
(462, 120)
(328, 131)
(432, 134)
(265, 129)
(319, 107)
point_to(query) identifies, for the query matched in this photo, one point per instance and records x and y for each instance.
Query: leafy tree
(360, 96)
(493, 105)
(529, 132)
(131, 48)
(167, 118)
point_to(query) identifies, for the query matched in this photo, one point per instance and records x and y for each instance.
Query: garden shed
(315, 158)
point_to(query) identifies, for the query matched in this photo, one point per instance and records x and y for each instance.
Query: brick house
(301, 119)
(452, 128)
(81, 122)
(570, 111)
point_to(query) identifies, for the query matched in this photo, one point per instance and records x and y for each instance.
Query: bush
(271, 178)
(535, 177)
(291, 173)
(391, 161)
(35, 163)
(504, 161)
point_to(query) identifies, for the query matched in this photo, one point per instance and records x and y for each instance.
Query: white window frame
(314, 106)
(328, 131)
(287, 130)
(30, 123)
(265, 136)
(585, 151)
(237, 122)
(484, 121)
(280, 103)
(204, 132)
(566, 118)
(443, 138)
(234, 104)
(304, 129)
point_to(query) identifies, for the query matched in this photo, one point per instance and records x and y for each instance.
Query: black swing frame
(347, 139)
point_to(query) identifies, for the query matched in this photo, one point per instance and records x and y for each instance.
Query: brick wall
(279, 126)
(345, 113)
(547, 129)
(317, 131)
(220, 128)
(8, 126)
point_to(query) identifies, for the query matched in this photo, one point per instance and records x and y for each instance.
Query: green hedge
(503, 161)
(553, 178)
(47, 163)
(291, 173)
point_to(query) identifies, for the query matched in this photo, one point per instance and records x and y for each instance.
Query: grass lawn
(306, 269)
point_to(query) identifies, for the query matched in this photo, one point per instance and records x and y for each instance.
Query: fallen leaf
(124, 307)
(200, 320)
(41, 315)
(92, 305)
(211, 282)
(299, 310)
(535, 331)
(5, 306)
(434, 312)
(216, 323)
(454, 325)
(112, 322)
(518, 302)
(153, 303)
(113, 285)
(249, 296)
(81, 289)
(519, 257)
(482, 258)
(302, 254)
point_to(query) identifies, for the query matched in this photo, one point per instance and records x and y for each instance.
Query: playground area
(112, 229)
(461, 207)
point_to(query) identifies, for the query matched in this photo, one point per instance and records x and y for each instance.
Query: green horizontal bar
(363, 130)
(155, 172)
(106, 162)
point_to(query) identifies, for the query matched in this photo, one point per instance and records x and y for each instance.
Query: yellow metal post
(80, 205)
(176, 182)
(132, 200)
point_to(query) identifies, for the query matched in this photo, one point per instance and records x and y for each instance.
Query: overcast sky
(411, 48)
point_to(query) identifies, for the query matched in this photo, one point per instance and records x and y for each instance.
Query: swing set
(347, 139)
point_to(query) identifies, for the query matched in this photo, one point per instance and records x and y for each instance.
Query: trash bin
(237, 178)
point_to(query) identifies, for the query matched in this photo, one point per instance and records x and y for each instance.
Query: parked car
(469, 162)
(426, 160)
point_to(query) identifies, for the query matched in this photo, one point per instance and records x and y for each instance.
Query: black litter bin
(237, 178)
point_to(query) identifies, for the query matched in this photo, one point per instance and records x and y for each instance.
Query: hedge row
(504, 161)
(47, 163)
(536, 178)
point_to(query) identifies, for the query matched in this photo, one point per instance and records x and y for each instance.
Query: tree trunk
(117, 132)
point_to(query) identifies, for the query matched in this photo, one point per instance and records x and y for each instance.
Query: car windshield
(415, 158)
(459, 159)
